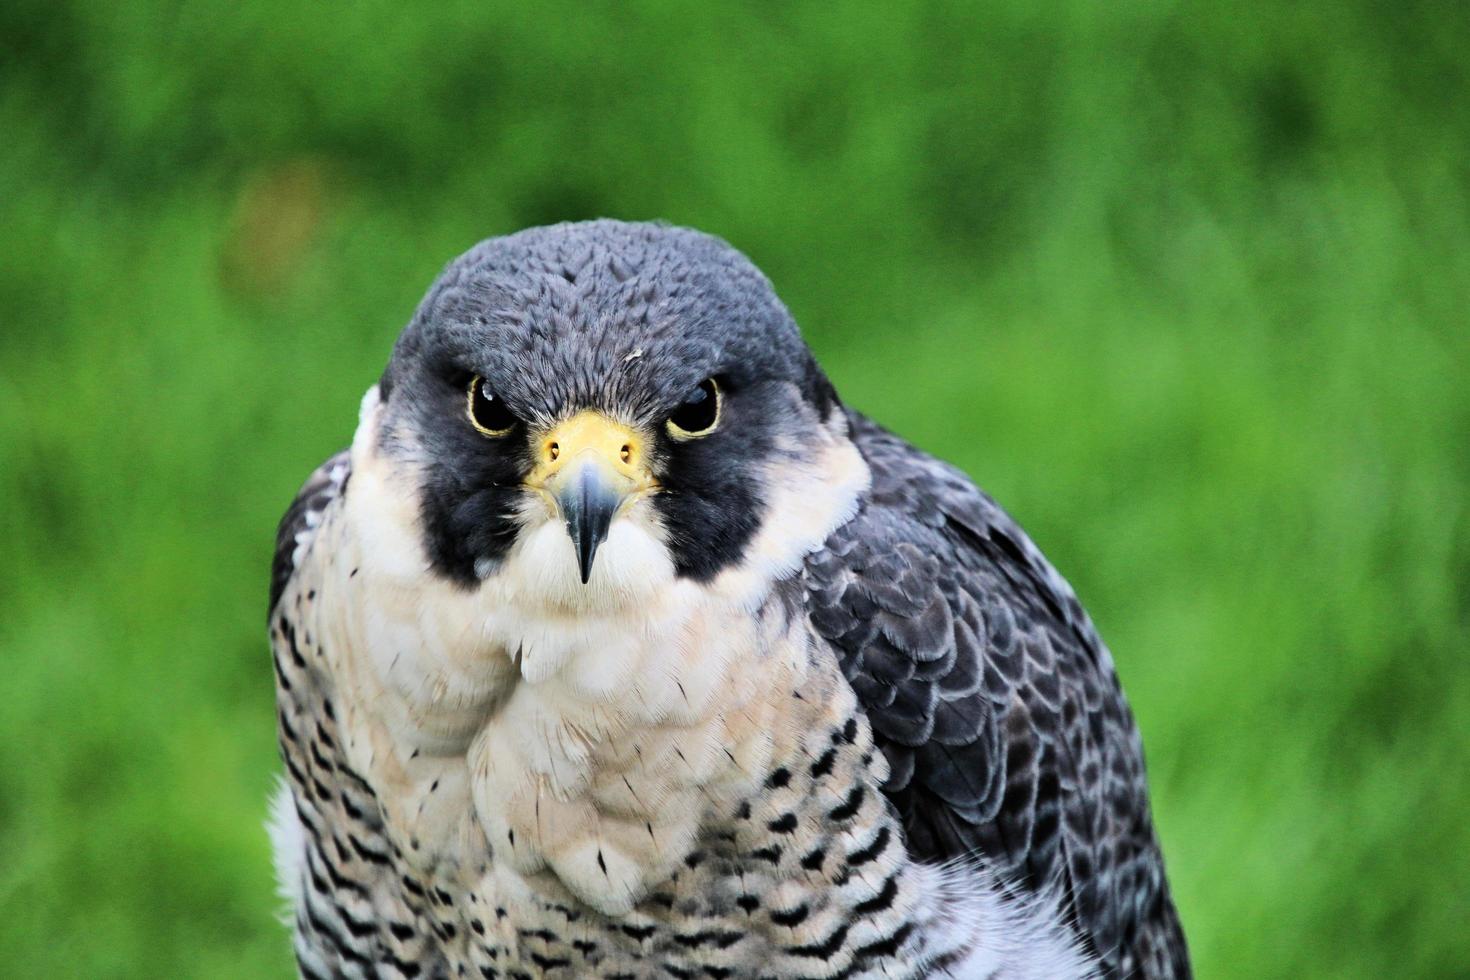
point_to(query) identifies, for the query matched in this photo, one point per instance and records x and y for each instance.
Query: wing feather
(995, 702)
(326, 483)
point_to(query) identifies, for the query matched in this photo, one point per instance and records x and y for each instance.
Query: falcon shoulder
(995, 702)
(326, 483)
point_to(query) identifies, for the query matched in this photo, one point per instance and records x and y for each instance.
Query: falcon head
(594, 408)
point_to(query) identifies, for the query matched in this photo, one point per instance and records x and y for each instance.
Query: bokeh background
(1184, 285)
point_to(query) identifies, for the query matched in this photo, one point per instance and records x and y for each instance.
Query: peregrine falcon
(617, 646)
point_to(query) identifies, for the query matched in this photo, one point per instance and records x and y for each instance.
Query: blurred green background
(1185, 286)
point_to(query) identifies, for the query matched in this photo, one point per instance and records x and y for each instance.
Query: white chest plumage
(536, 741)
(583, 729)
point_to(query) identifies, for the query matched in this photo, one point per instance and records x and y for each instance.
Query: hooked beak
(588, 501)
(589, 465)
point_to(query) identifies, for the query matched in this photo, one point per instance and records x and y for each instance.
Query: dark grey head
(612, 345)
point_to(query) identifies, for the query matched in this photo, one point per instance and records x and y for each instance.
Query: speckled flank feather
(872, 734)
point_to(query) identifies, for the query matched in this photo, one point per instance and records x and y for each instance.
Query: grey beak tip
(587, 542)
(588, 505)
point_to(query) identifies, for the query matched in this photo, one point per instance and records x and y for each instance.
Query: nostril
(553, 450)
(627, 453)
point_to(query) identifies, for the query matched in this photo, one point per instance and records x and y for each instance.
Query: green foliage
(1184, 288)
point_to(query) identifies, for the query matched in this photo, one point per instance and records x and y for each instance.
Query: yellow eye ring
(486, 412)
(700, 413)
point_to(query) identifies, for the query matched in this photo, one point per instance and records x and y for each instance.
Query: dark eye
(487, 412)
(698, 414)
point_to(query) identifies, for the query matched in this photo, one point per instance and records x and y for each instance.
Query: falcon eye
(698, 414)
(486, 411)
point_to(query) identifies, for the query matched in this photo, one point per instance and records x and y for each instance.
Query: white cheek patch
(810, 493)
